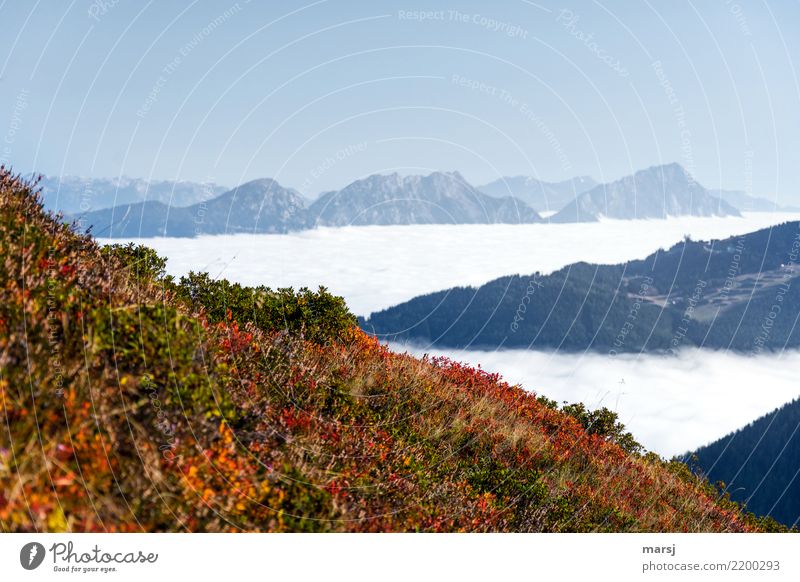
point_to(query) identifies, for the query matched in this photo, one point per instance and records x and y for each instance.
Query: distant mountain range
(260, 206)
(74, 195)
(540, 195)
(264, 206)
(760, 464)
(656, 192)
(439, 198)
(739, 293)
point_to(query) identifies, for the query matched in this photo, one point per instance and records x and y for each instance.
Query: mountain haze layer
(74, 195)
(747, 203)
(540, 195)
(260, 206)
(185, 209)
(657, 192)
(264, 206)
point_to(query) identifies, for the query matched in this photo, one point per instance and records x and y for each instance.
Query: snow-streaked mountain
(540, 195)
(439, 198)
(656, 192)
(260, 206)
(73, 194)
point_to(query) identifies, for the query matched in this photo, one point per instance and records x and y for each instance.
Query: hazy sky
(317, 94)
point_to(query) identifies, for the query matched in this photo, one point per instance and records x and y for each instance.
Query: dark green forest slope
(739, 293)
(760, 464)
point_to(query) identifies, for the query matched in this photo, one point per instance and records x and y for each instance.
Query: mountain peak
(259, 184)
(258, 206)
(438, 198)
(672, 169)
(455, 174)
(655, 192)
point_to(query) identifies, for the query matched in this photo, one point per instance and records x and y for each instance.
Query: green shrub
(142, 263)
(318, 316)
(605, 423)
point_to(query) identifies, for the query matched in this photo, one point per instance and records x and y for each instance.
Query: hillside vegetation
(133, 402)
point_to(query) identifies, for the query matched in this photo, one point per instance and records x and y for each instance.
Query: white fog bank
(375, 267)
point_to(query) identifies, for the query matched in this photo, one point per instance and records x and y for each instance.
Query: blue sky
(317, 94)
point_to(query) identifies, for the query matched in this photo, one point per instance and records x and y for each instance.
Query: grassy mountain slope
(132, 402)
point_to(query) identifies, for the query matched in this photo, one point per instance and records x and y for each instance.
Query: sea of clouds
(671, 404)
(374, 267)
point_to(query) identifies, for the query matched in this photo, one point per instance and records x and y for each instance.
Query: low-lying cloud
(375, 267)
